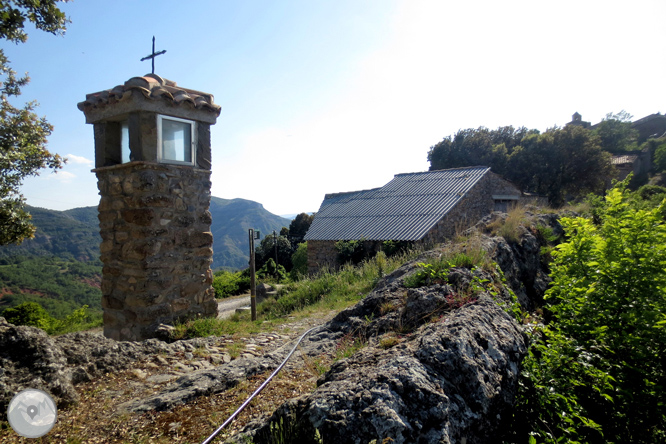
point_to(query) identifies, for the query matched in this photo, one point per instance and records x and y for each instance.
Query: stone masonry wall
(476, 204)
(156, 247)
(321, 254)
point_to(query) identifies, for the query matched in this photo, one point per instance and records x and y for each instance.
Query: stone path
(206, 365)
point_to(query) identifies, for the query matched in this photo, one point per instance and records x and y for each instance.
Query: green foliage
(465, 253)
(28, 313)
(32, 314)
(660, 157)
(299, 227)
(266, 251)
(560, 162)
(272, 271)
(598, 368)
(616, 134)
(393, 247)
(429, 274)
(23, 134)
(471, 147)
(352, 251)
(227, 283)
(299, 262)
(58, 285)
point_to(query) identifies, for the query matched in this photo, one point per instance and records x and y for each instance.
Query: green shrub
(227, 283)
(299, 261)
(352, 251)
(270, 271)
(32, 314)
(596, 373)
(28, 313)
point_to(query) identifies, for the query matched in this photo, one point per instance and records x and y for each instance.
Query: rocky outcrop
(522, 262)
(449, 374)
(29, 358)
(450, 381)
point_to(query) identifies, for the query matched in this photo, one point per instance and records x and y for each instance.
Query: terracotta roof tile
(154, 87)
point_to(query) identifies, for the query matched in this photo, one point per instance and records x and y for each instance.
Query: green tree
(299, 227)
(266, 251)
(597, 373)
(299, 261)
(615, 132)
(660, 157)
(560, 162)
(22, 133)
(472, 147)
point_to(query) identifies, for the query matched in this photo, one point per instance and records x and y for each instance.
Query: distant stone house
(424, 208)
(637, 162)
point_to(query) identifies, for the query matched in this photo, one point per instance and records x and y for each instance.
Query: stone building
(424, 208)
(577, 120)
(152, 160)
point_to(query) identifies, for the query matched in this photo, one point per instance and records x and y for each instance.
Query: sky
(330, 96)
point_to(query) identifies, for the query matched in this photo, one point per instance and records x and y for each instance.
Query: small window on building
(175, 140)
(124, 143)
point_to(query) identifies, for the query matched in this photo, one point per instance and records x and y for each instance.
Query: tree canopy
(23, 135)
(560, 162)
(616, 133)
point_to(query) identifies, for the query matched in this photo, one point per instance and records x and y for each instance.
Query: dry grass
(510, 227)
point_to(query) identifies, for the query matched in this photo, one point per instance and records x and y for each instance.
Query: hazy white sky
(339, 95)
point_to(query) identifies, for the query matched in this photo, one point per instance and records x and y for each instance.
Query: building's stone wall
(321, 254)
(477, 203)
(156, 247)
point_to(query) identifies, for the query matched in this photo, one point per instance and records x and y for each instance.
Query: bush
(299, 261)
(32, 314)
(596, 373)
(271, 271)
(352, 251)
(227, 283)
(28, 313)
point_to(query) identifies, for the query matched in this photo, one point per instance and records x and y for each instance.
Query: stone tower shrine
(152, 161)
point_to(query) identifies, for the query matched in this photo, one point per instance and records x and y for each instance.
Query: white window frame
(193, 137)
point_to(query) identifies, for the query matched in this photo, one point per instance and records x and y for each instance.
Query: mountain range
(75, 233)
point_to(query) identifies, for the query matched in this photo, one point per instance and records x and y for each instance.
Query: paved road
(227, 307)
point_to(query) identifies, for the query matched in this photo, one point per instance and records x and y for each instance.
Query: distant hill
(75, 233)
(231, 221)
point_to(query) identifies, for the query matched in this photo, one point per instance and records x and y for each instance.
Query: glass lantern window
(176, 140)
(124, 142)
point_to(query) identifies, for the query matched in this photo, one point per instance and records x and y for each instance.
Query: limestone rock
(455, 380)
(29, 358)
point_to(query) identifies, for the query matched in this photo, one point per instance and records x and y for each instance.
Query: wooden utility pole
(276, 259)
(253, 286)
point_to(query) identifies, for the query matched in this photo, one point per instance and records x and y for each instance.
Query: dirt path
(227, 307)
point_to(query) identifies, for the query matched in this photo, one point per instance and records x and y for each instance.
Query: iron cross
(153, 55)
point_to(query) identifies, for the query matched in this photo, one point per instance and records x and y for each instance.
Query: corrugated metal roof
(406, 208)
